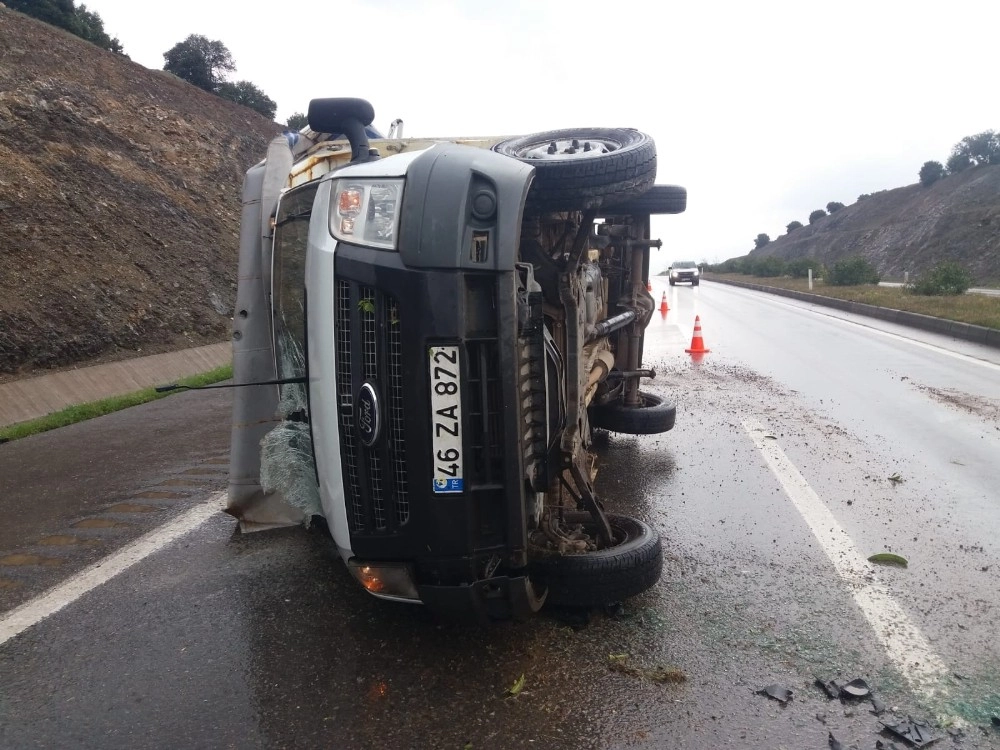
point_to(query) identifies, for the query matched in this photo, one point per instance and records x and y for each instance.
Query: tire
(653, 417)
(695, 282)
(606, 576)
(619, 164)
(673, 283)
(659, 199)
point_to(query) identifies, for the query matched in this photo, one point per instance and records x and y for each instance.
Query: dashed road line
(34, 611)
(904, 643)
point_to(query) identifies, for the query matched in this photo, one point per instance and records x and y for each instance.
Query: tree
(762, 239)
(931, 172)
(245, 93)
(199, 61)
(816, 215)
(792, 226)
(974, 151)
(78, 21)
(958, 162)
(981, 148)
(297, 121)
(834, 206)
(59, 13)
(92, 29)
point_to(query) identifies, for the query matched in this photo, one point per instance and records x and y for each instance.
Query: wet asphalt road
(263, 640)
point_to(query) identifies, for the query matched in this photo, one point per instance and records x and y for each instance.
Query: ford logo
(369, 415)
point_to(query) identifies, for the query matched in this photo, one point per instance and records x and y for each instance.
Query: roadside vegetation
(72, 414)
(977, 309)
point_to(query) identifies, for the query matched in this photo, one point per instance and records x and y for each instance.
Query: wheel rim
(567, 148)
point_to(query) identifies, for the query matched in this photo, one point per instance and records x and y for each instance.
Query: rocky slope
(910, 228)
(119, 203)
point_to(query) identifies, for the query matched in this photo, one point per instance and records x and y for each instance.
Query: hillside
(119, 203)
(910, 228)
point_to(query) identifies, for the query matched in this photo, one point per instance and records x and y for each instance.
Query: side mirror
(344, 115)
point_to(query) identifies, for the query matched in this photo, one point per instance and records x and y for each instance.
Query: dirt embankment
(119, 203)
(910, 229)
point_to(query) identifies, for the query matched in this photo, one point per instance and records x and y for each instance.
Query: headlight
(694, 271)
(366, 212)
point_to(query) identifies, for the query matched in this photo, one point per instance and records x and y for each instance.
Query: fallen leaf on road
(515, 689)
(888, 558)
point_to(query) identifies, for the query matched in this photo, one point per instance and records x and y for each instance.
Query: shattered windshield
(291, 236)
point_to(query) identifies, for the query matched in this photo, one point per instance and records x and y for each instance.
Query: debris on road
(619, 663)
(834, 742)
(777, 692)
(896, 479)
(888, 558)
(856, 689)
(916, 733)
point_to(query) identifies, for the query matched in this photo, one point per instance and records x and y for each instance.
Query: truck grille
(485, 419)
(369, 348)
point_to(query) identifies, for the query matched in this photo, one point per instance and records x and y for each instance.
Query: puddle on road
(21, 559)
(221, 460)
(205, 471)
(133, 508)
(99, 523)
(161, 495)
(6, 584)
(192, 482)
(64, 540)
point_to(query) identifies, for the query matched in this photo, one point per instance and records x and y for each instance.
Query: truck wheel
(605, 576)
(582, 168)
(659, 199)
(652, 417)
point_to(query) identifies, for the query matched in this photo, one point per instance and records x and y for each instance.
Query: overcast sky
(763, 110)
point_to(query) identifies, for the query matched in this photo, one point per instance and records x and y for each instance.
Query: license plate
(446, 418)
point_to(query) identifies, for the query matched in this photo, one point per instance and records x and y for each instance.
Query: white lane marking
(34, 611)
(905, 645)
(832, 315)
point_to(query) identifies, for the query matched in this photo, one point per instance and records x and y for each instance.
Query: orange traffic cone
(697, 344)
(663, 303)
(649, 286)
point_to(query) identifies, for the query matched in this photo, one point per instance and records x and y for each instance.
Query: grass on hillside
(977, 309)
(72, 414)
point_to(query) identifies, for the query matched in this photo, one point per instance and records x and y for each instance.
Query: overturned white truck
(437, 328)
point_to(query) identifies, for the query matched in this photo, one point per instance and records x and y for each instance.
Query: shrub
(799, 268)
(297, 121)
(732, 265)
(816, 215)
(762, 239)
(931, 172)
(834, 206)
(945, 278)
(769, 266)
(792, 226)
(852, 272)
